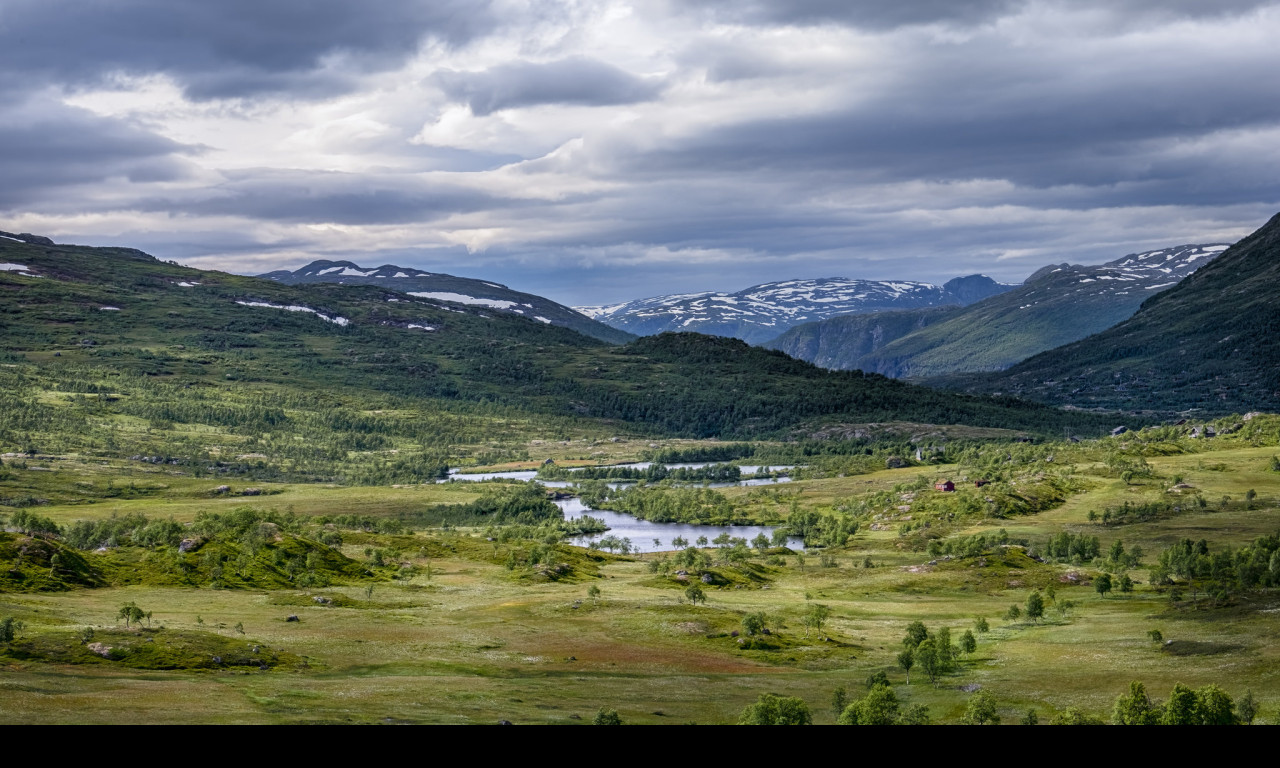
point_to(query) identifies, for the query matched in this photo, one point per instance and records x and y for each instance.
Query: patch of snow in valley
(108, 309)
(399, 274)
(1161, 285)
(296, 308)
(185, 284)
(540, 318)
(330, 270)
(459, 298)
(422, 327)
(13, 267)
(14, 239)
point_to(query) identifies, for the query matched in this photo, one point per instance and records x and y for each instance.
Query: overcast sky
(599, 151)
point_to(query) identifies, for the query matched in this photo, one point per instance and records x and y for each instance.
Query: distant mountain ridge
(1211, 342)
(1057, 305)
(460, 290)
(761, 312)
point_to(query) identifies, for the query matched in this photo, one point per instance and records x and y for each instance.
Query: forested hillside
(110, 350)
(1211, 342)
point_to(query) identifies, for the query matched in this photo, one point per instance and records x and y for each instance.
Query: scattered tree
(593, 592)
(1035, 607)
(1030, 718)
(606, 717)
(1247, 710)
(981, 625)
(1156, 635)
(1126, 583)
(839, 700)
(1013, 614)
(694, 594)
(877, 678)
(9, 629)
(929, 660)
(907, 660)
(760, 543)
(816, 616)
(753, 623)
(1102, 585)
(1180, 708)
(916, 634)
(968, 643)
(131, 613)
(981, 710)
(1215, 706)
(1135, 708)
(771, 709)
(878, 707)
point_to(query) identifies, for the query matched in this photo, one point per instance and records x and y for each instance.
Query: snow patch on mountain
(296, 308)
(763, 311)
(459, 298)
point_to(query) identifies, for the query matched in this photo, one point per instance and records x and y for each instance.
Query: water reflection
(642, 533)
(525, 475)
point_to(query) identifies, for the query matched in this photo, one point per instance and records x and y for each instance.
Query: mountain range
(761, 312)
(1057, 305)
(437, 286)
(116, 320)
(1210, 342)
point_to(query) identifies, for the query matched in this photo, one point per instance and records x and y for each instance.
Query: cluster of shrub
(1220, 573)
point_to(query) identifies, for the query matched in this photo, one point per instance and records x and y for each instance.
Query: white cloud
(605, 147)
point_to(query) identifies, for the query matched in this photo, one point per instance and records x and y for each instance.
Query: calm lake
(529, 474)
(643, 532)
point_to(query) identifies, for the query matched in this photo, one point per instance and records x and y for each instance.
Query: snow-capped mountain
(1057, 305)
(762, 312)
(1149, 271)
(438, 286)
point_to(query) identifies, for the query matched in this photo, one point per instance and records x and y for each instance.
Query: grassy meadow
(445, 630)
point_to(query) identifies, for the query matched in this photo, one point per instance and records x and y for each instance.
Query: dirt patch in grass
(1198, 648)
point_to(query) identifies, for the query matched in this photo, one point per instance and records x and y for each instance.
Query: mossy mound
(745, 575)
(998, 569)
(43, 564)
(145, 648)
(321, 600)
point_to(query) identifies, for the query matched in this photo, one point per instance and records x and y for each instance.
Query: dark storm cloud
(307, 197)
(959, 118)
(867, 14)
(578, 80)
(227, 48)
(46, 147)
(879, 15)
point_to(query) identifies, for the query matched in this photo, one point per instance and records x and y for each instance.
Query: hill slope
(761, 312)
(841, 343)
(1055, 306)
(460, 290)
(110, 351)
(1212, 342)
